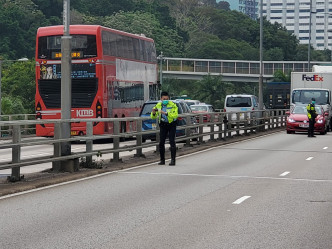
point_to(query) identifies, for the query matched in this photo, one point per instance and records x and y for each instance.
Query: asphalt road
(269, 192)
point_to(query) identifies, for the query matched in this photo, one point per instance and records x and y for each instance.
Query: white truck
(308, 85)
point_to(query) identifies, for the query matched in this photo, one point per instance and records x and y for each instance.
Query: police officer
(167, 113)
(311, 112)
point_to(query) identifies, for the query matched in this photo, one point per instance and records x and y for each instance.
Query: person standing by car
(311, 112)
(167, 112)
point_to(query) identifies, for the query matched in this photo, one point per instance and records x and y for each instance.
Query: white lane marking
(309, 158)
(138, 167)
(223, 176)
(285, 173)
(325, 148)
(242, 199)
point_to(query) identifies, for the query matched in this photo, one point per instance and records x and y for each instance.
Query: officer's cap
(313, 99)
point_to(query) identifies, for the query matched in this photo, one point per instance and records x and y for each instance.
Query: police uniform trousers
(170, 130)
(311, 127)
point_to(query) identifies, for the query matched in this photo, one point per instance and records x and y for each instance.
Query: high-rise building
(248, 7)
(295, 16)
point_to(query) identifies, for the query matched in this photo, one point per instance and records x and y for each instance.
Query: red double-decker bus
(113, 73)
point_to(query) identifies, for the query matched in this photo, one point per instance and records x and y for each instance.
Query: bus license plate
(304, 125)
(73, 133)
(154, 126)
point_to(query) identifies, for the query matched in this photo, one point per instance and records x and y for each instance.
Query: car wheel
(289, 132)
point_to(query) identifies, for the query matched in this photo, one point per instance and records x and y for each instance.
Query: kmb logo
(84, 113)
(315, 77)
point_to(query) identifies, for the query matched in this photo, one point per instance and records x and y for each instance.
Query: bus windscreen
(83, 46)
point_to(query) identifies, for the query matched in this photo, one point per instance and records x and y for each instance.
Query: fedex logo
(315, 77)
(84, 113)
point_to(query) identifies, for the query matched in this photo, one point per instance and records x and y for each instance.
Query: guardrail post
(139, 151)
(200, 128)
(269, 120)
(212, 132)
(187, 130)
(245, 123)
(237, 123)
(16, 153)
(10, 128)
(252, 122)
(229, 125)
(56, 166)
(116, 141)
(219, 120)
(89, 142)
(262, 121)
(25, 130)
(225, 121)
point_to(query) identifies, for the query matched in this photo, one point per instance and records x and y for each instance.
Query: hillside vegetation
(180, 28)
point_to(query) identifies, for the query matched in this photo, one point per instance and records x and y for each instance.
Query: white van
(240, 103)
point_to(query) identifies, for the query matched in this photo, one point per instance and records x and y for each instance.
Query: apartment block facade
(295, 16)
(248, 7)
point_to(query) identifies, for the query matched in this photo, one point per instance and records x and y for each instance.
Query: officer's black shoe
(172, 163)
(162, 162)
(313, 136)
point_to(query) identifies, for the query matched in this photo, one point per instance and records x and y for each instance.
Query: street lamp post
(65, 88)
(309, 42)
(1, 62)
(160, 58)
(260, 87)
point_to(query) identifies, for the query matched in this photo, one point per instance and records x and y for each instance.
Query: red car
(205, 109)
(297, 120)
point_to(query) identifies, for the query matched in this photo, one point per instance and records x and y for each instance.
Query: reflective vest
(311, 112)
(171, 109)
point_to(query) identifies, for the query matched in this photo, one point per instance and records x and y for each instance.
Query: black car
(151, 123)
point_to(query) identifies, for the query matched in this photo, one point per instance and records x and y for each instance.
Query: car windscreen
(238, 102)
(303, 110)
(318, 110)
(197, 108)
(300, 110)
(147, 108)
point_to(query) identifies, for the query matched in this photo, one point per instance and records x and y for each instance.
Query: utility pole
(309, 43)
(160, 58)
(260, 88)
(65, 84)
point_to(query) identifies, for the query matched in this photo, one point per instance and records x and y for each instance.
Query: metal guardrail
(8, 130)
(221, 126)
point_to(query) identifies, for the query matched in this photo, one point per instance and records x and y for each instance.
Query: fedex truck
(308, 85)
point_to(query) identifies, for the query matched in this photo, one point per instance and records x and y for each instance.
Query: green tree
(11, 105)
(274, 54)
(212, 90)
(223, 5)
(166, 39)
(19, 21)
(18, 82)
(280, 76)
(214, 48)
